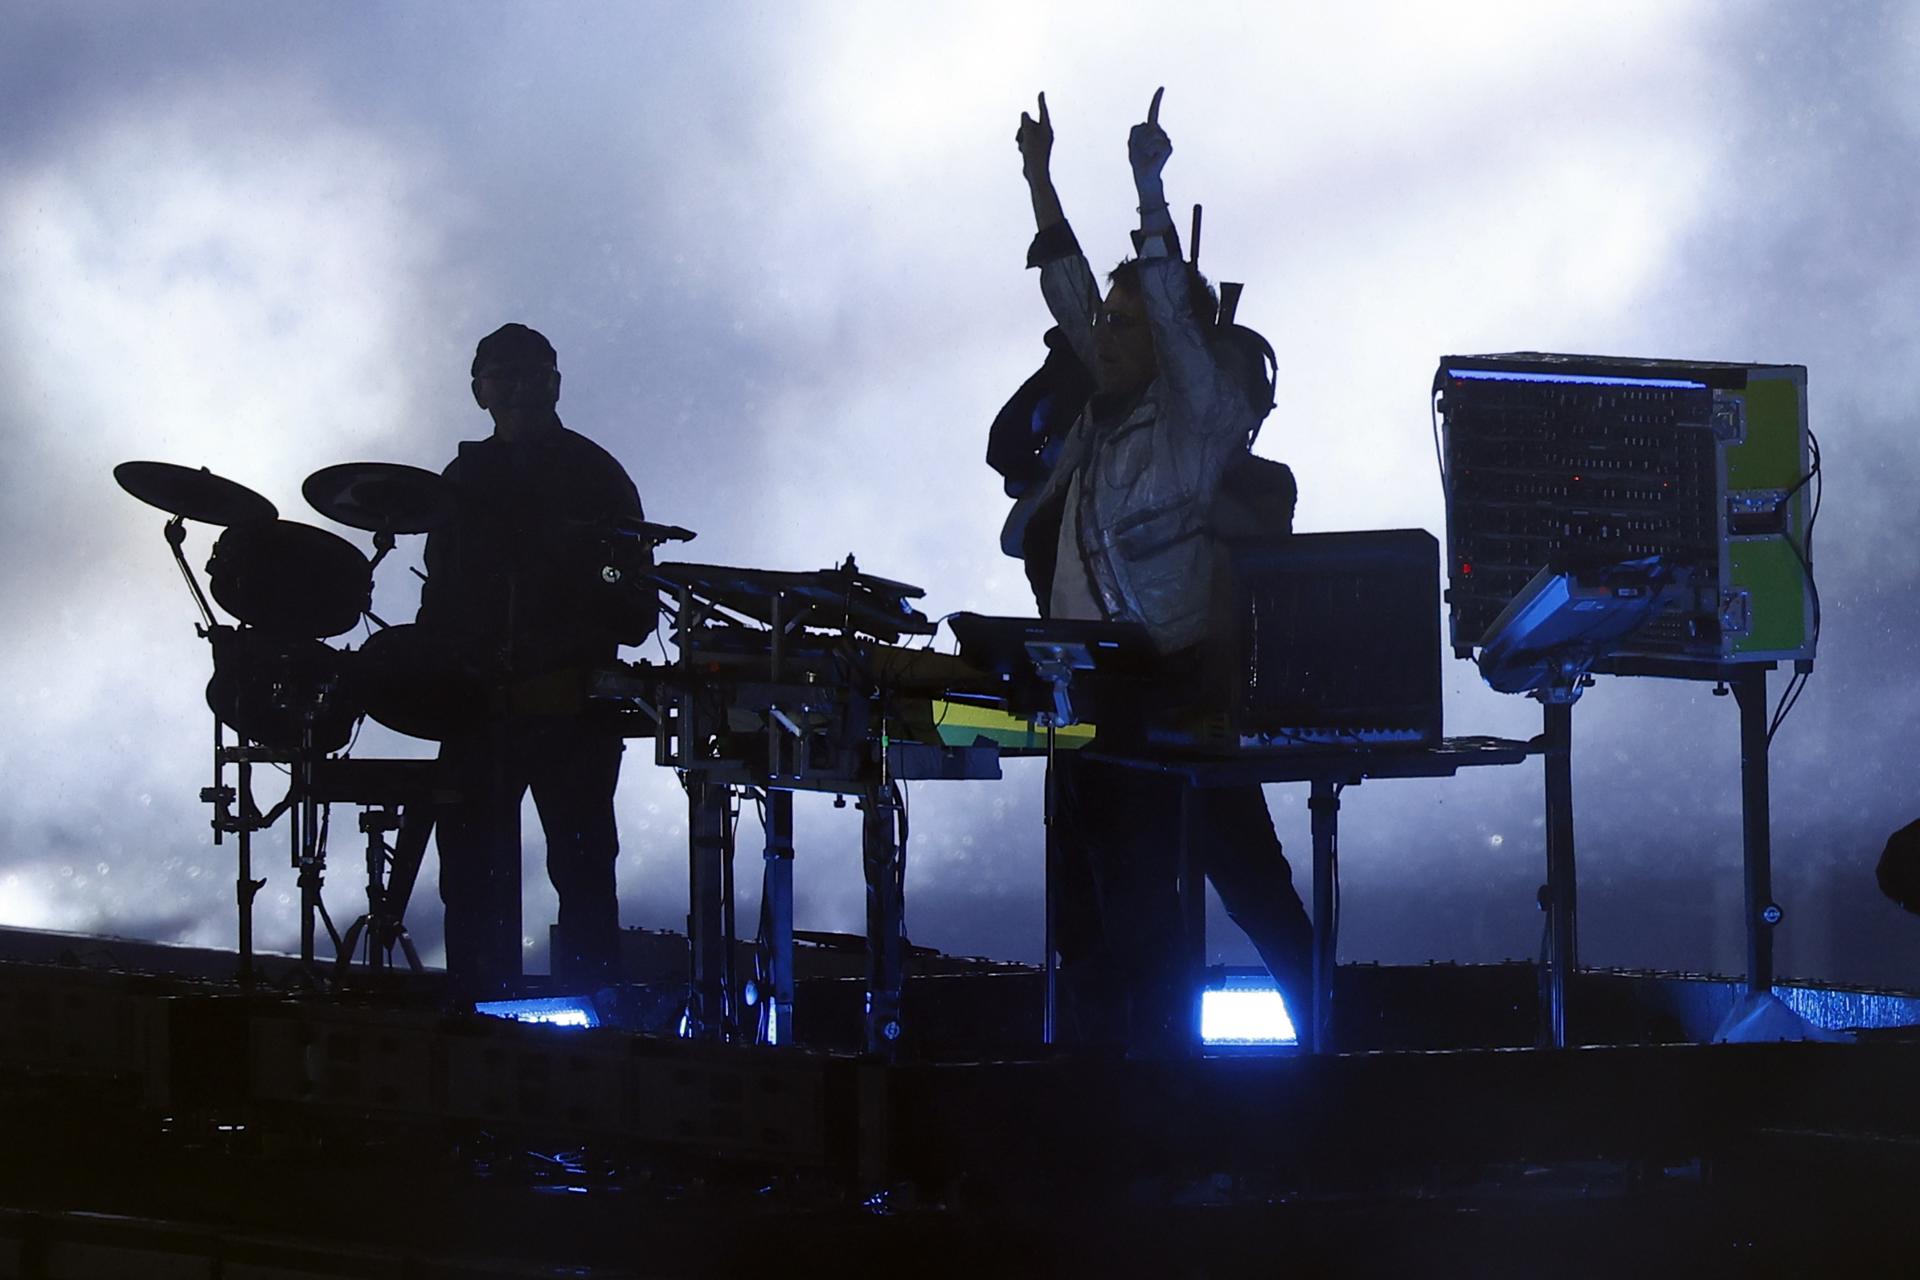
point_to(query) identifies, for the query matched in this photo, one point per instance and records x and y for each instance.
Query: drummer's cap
(513, 344)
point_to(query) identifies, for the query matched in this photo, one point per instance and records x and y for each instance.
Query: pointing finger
(1153, 109)
(1043, 110)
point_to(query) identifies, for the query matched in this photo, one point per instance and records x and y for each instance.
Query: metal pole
(1192, 882)
(1756, 827)
(886, 937)
(779, 896)
(1562, 894)
(1323, 808)
(243, 885)
(1051, 962)
(303, 838)
(373, 822)
(706, 854)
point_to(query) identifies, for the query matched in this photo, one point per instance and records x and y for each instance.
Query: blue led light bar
(1245, 1014)
(1586, 379)
(552, 1011)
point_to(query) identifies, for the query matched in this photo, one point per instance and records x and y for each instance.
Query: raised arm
(1188, 359)
(1035, 140)
(1066, 282)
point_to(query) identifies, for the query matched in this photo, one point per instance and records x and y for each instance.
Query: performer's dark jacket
(516, 580)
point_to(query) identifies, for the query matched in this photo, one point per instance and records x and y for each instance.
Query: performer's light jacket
(1148, 474)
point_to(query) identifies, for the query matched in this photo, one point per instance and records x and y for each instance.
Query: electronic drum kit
(295, 699)
(290, 696)
(292, 587)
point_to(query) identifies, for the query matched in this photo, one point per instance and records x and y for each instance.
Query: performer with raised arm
(1120, 530)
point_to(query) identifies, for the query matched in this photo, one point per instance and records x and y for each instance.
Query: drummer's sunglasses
(515, 372)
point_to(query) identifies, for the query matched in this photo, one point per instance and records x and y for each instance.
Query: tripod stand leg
(409, 850)
(349, 942)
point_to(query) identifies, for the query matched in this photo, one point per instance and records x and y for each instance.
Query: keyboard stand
(1328, 772)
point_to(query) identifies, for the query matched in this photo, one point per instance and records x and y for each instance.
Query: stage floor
(160, 1121)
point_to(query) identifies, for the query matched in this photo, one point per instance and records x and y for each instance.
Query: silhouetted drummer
(514, 587)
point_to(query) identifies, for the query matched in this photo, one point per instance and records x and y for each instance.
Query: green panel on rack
(1772, 457)
(1769, 570)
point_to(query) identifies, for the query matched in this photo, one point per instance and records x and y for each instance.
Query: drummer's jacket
(515, 580)
(1134, 484)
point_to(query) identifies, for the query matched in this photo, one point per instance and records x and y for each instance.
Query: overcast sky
(779, 249)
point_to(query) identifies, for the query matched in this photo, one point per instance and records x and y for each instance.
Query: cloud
(185, 287)
(780, 253)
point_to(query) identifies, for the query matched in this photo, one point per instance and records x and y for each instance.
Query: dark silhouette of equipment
(1587, 461)
(1040, 661)
(290, 579)
(294, 700)
(792, 682)
(380, 497)
(1565, 620)
(1318, 640)
(194, 495)
(1631, 517)
(274, 683)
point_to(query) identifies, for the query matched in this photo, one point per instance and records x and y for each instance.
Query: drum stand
(307, 838)
(220, 795)
(223, 797)
(390, 877)
(711, 822)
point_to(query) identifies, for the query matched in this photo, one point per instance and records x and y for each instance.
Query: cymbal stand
(382, 544)
(176, 535)
(222, 797)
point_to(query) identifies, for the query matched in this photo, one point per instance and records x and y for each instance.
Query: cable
(934, 635)
(1439, 455)
(1790, 696)
(900, 862)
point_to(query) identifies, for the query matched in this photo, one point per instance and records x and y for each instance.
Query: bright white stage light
(553, 1011)
(1245, 1015)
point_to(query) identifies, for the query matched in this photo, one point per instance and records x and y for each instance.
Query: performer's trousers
(572, 767)
(1118, 927)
